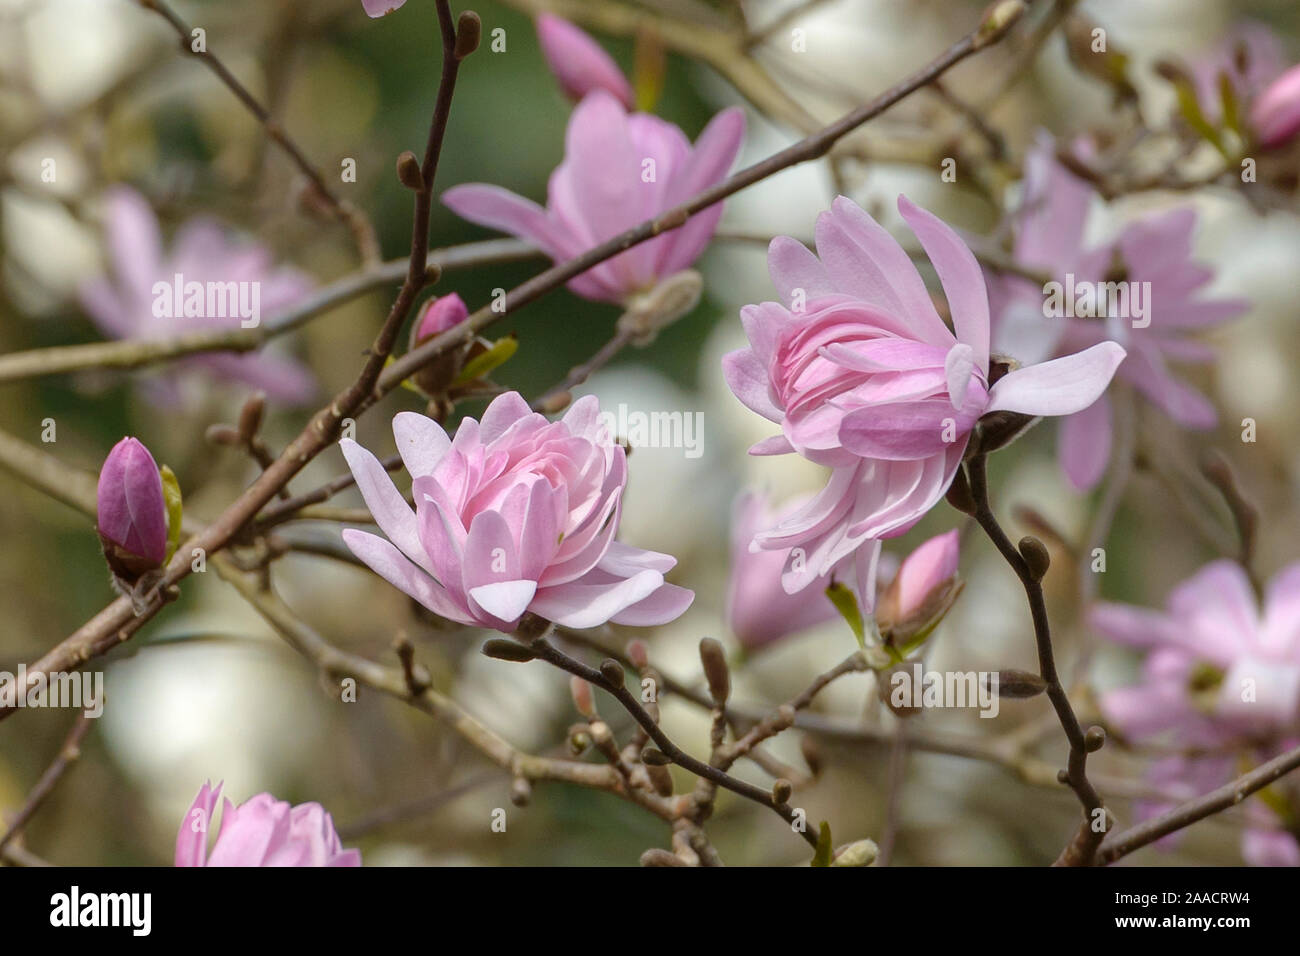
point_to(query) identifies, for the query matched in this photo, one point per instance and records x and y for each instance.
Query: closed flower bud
(1276, 114)
(132, 512)
(861, 853)
(438, 315)
(714, 659)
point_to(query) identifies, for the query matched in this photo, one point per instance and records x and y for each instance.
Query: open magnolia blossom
(514, 514)
(1219, 674)
(863, 376)
(1148, 269)
(203, 282)
(262, 831)
(619, 170)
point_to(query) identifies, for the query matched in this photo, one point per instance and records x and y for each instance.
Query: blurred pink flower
(1155, 249)
(863, 376)
(124, 306)
(1275, 116)
(578, 62)
(1219, 675)
(619, 170)
(438, 315)
(379, 8)
(132, 513)
(514, 514)
(759, 611)
(1249, 55)
(263, 831)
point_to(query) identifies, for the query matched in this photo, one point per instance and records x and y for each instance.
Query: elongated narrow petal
(578, 62)
(1060, 387)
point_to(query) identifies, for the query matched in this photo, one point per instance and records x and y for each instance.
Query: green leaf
(1190, 108)
(847, 605)
(1228, 100)
(822, 857)
(172, 496)
(481, 365)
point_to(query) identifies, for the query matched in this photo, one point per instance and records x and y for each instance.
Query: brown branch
(1075, 774)
(994, 26)
(1184, 815)
(68, 753)
(363, 232)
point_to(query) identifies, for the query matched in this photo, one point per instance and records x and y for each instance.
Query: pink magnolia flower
(863, 376)
(263, 831)
(1275, 116)
(438, 315)
(1219, 675)
(514, 514)
(132, 513)
(139, 301)
(380, 8)
(619, 170)
(578, 62)
(1151, 259)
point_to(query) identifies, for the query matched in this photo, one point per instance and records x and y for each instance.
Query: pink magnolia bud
(1276, 114)
(132, 519)
(263, 831)
(379, 8)
(578, 62)
(925, 569)
(439, 315)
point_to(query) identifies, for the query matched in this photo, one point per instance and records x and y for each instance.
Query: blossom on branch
(262, 831)
(203, 282)
(863, 376)
(1220, 675)
(619, 170)
(1141, 289)
(514, 514)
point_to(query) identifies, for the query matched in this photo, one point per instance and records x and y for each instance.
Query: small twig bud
(638, 654)
(1062, 776)
(501, 649)
(583, 699)
(579, 739)
(999, 17)
(222, 435)
(782, 791)
(714, 659)
(658, 857)
(861, 853)
(432, 273)
(408, 171)
(521, 791)
(660, 779)
(469, 29)
(250, 417)
(556, 403)
(655, 758)
(612, 671)
(1018, 685)
(1035, 554)
(1094, 739)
